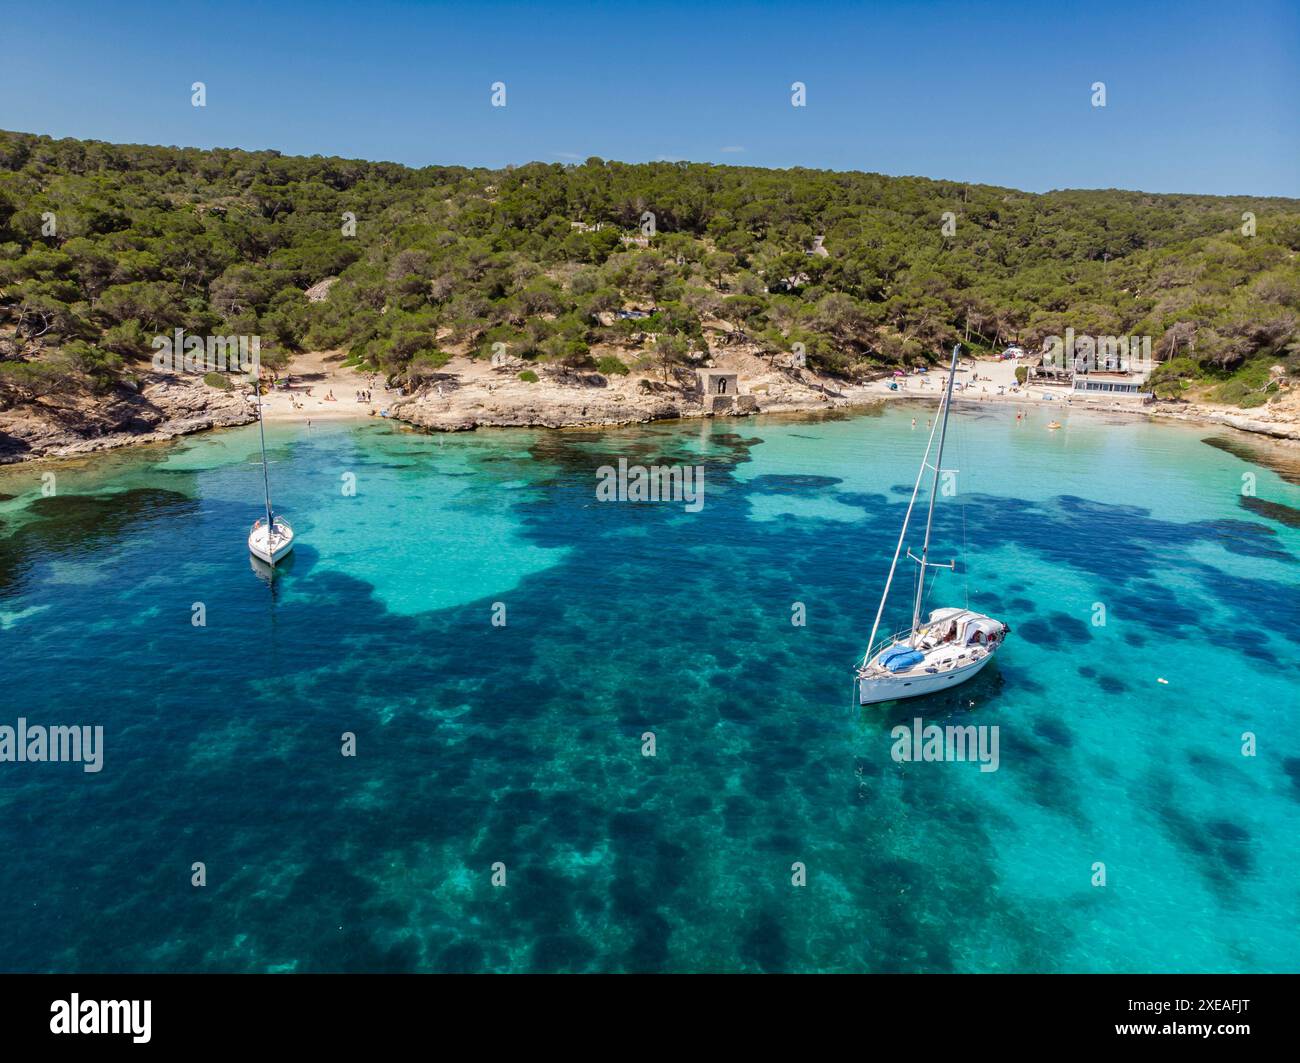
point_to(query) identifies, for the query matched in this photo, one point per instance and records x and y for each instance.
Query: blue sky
(1201, 97)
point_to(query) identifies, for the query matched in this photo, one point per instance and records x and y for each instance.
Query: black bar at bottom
(680, 1013)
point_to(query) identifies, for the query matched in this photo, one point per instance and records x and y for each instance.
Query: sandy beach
(317, 387)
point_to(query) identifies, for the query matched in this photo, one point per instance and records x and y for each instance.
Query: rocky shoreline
(478, 396)
(1280, 429)
(165, 406)
(472, 395)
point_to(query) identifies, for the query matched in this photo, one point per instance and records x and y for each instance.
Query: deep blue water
(521, 743)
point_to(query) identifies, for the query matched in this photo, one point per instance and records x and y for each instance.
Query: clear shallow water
(521, 743)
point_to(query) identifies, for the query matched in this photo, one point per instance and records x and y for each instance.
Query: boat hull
(874, 691)
(270, 549)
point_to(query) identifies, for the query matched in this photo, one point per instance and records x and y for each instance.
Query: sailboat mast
(266, 479)
(934, 490)
(902, 537)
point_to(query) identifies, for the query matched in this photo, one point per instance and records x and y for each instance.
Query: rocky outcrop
(510, 410)
(320, 291)
(164, 407)
(470, 395)
(1279, 426)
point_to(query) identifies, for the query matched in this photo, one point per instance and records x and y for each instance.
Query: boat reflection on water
(267, 573)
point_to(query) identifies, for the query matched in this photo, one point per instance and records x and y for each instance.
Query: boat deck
(944, 657)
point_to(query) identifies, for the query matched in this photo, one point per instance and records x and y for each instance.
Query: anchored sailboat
(272, 539)
(953, 644)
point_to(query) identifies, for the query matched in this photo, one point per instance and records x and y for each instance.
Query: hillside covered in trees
(103, 247)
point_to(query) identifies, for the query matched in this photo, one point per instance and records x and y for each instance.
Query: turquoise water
(522, 744)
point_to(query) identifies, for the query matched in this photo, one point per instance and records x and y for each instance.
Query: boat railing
(885, 643)
(281, 525)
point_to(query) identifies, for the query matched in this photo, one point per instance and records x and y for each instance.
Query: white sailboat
(269, 540)
(953, 644)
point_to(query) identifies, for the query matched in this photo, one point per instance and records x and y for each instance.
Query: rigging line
(965, 568)
(902, 535)
(266, 481)
(934, 486)
(959, 437)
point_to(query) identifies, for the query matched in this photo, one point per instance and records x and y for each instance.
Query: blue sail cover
(900, 658)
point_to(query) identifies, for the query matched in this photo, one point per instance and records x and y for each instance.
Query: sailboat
(953, 644)
(269, 540)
